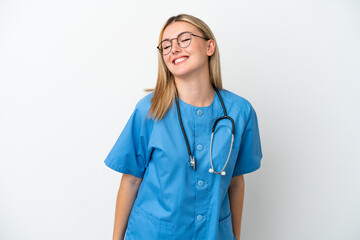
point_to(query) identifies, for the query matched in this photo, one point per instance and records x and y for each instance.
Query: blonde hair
(165, 89)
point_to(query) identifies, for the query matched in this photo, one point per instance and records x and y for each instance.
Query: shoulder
(143, 105)
(238, 102)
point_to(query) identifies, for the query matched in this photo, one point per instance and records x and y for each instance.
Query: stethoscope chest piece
(192, 161)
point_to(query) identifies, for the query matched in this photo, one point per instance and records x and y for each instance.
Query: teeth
(179, 60)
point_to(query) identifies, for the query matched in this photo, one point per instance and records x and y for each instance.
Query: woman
(183, 169)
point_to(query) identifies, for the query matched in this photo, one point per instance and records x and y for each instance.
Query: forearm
(236, 197)
(128, 189)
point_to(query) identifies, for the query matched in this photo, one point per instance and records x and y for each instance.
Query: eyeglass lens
(183, 40)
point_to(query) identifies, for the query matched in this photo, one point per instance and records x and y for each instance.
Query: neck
(195, 91)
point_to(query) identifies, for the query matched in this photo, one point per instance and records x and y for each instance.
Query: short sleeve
(130, 154)
(250, 153)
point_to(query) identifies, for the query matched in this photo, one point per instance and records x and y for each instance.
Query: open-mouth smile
(180, 60)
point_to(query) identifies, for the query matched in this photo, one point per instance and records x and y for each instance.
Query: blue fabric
(174, 201)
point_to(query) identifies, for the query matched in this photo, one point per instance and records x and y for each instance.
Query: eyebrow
(177, 35)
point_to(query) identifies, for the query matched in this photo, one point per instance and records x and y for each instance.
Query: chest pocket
(142, 226)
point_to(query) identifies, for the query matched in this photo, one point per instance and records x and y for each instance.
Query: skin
(128, 189)
(191, 76)
(236, 198)
(193, 84)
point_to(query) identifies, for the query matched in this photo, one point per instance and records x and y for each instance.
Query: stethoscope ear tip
(212, 171)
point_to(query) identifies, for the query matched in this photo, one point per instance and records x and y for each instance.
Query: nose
(175, 46)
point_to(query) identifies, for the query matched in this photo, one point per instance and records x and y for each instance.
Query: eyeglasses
(183, 40)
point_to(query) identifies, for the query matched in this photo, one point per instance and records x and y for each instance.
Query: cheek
(197, 50)
(167, 61)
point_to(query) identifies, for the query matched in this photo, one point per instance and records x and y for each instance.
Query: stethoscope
(192, 158)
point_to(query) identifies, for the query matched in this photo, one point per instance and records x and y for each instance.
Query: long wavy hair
(165, 89)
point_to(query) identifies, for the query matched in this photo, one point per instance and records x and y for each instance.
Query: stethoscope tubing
(192, 158)
(222, 172)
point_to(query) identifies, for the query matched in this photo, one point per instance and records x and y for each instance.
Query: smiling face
(189, 61)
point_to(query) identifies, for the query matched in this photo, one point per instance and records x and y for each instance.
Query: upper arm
(250, 154)
(130, 153)
(128, 178)
(237, 181)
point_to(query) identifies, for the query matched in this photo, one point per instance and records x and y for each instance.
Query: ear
(210, 47)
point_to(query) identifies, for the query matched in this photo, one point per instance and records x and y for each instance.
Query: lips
(179, 60)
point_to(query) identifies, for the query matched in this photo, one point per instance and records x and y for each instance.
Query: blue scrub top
(174, 201)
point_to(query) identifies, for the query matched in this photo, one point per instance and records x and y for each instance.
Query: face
(192, 60)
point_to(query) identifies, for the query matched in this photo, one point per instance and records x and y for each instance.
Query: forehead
(173, 29)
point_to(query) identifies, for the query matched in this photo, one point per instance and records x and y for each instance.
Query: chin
(182, 74)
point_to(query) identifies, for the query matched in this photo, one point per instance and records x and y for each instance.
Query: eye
(185, 40)
(165, 45)
(184, 37)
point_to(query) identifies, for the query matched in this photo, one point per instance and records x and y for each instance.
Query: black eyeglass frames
(183, 40)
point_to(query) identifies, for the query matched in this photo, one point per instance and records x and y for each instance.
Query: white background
(71, 73)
